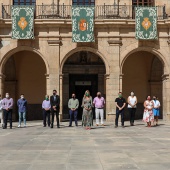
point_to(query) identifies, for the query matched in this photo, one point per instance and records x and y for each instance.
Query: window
(143, 2)
(24, 2)
(83, 2)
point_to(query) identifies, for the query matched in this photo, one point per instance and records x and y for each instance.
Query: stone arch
(157, 53)
(95, 51)
(18, 49)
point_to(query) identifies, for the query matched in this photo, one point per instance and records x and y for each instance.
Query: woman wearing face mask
(132, 101)
(87, 105)
(156, 109)
(148, 113)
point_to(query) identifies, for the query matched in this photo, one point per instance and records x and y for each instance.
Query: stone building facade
(115, 62)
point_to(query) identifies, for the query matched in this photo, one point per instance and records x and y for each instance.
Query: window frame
(143, 3)
(83, 2)
(25, 2)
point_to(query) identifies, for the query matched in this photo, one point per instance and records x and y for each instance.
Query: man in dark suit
(55, 107)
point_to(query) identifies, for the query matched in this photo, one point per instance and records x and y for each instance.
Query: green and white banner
(22, 22)
(83, 24)
(146, 23)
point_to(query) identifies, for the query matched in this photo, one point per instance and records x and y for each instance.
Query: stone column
(54, 64)
(113, 84)
(48, 91)
(61, 97)
(166, 97)
(2, 79)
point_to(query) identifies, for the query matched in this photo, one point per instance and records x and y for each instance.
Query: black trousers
(119, 112)
(46, 114)
(132, 112)
(55, 112)
(7, 115)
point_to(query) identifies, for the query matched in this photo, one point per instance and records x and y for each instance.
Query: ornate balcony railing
(54, 11)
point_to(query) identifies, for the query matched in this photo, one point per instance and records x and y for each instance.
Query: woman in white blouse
(132, 102)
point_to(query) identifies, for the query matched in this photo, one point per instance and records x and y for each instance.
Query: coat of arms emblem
(22, 23)
(83, 25)
(146, 23)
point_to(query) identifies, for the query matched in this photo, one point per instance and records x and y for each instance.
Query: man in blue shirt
(22, 108)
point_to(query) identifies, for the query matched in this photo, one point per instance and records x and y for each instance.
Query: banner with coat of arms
(83, 23)
(146, 23)
(22, 22)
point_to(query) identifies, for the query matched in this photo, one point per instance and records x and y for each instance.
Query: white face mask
(7, 95)
(22, 97)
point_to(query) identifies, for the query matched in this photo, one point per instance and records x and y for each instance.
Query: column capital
(61, 75)
(121, 76)
(168, 41)
(165, 77)
(47, 76)
(2, 76)
(107, 76)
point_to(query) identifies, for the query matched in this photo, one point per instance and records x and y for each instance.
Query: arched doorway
(25, 73)
(83, 70)
(142, 73)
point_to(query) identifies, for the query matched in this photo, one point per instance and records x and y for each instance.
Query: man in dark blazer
(55, 107)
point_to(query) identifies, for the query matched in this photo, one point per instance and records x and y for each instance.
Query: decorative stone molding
(168, 41)
(2, 76)
(107, 76)
(47, 76)
(54, 42)
(121, 76)
(165, 77)
(114, 42)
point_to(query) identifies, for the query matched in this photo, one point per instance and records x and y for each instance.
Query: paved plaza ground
(73, 148)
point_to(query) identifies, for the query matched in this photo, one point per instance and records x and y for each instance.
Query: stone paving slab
(74, 148)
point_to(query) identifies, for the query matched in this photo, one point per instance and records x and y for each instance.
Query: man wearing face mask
(99, 103)
(7, 105)
(73, 105)
(22, 109)
(46, 106)
(55, 107)
(132, 101)
(120, 105)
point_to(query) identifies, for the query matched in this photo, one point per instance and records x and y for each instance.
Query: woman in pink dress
(148, 113)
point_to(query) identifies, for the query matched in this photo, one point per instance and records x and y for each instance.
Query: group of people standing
(51, 107)
(151, 109)
(87, 105)
(6, 108)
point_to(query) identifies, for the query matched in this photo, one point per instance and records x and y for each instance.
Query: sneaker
(19, 126)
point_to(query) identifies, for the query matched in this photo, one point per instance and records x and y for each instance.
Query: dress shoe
(58, 126)
(10, 127)
(4, 127)
(51, 125)
(116, 126)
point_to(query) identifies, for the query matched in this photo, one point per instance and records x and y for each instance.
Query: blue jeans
(75, 116)
(22, 115)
